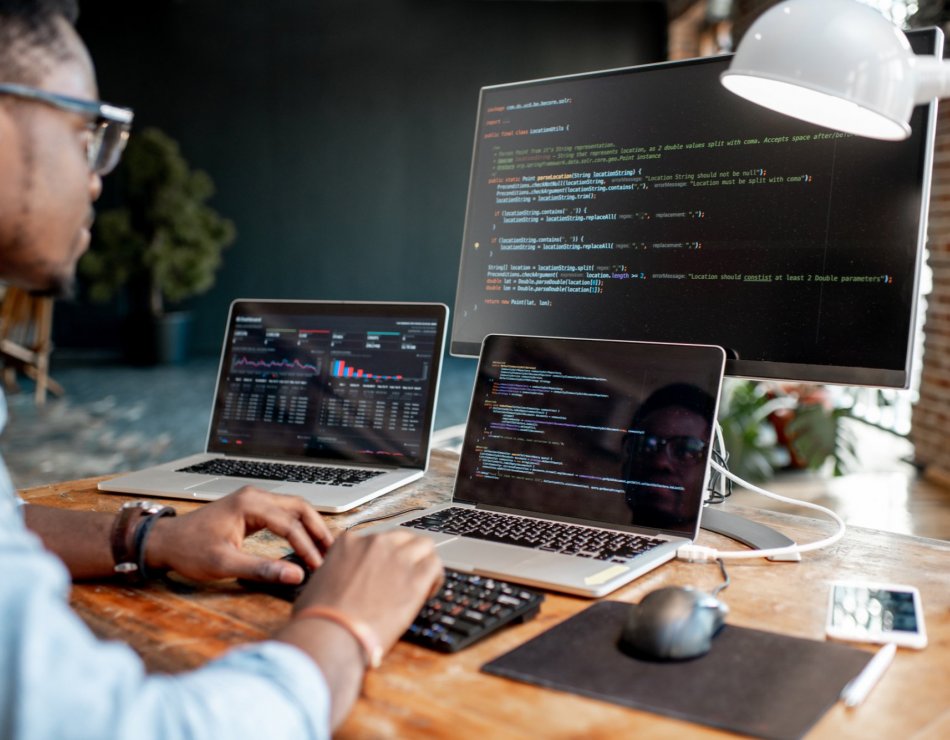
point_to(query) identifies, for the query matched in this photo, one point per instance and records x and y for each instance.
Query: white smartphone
(876, 612)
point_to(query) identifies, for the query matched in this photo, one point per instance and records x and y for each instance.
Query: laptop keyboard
(326, 475)
(538, 534)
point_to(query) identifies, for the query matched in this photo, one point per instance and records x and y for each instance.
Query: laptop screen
(602, 431)
(351, 382)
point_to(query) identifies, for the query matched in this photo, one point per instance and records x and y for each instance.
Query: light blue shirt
(58, 681)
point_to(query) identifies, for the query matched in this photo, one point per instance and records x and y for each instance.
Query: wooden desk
(418, 693)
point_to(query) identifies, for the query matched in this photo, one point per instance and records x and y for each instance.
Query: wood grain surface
(176, 625)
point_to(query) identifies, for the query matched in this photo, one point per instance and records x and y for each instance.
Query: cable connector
(697, 553)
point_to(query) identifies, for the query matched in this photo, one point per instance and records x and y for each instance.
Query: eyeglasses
(108, 125)
(680, 449)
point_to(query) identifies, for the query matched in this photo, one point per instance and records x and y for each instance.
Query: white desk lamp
(836, 63)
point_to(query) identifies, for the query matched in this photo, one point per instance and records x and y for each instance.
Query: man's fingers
(303, 544)
(419, 555)
(306, 532)
(317, 528)
(293, 519)
(429, 565)
(254, 568)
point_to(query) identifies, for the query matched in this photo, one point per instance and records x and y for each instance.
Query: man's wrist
(131, 531)
(332, 647)
(369, 644)
(156, 553)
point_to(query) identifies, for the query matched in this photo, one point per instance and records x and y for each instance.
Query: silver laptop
(584, 461)
(332, 401)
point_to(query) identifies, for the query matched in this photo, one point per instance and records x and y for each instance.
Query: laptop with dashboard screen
(584, 461)
(333, 401)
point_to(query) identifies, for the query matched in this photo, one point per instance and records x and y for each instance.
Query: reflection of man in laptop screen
(664, 455)
(540, 496)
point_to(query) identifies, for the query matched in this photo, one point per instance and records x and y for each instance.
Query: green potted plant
(770, 426)
(750, 438)
(163, 243)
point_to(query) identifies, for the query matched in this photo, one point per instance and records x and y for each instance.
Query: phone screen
(873, 609)
(876, 612)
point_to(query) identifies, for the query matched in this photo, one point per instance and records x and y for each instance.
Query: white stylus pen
(860, 686)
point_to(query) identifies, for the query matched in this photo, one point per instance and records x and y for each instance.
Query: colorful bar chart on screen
(341, 370)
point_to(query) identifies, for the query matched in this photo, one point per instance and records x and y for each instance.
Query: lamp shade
(836, 63)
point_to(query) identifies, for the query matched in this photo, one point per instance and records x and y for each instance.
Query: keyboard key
(467, 608)
(323, 474)
(477, 606)
(568, 539)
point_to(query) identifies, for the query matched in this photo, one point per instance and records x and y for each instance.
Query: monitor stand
(753, 534)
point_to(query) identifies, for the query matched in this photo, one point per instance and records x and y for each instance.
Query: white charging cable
(702, 554)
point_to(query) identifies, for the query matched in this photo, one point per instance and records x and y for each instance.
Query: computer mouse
(673, 623)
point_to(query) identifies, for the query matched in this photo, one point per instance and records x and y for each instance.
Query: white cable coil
(702, 554)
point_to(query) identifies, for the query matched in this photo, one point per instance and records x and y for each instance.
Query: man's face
(46, 186)
(679, 475)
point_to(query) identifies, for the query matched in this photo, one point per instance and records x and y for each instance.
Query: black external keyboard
(466, 609)
(538, 534)
(286, 472)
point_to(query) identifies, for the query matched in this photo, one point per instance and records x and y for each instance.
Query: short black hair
(31, 37)
(684, 395)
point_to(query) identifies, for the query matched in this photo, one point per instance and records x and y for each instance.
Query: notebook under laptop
(342, 392)
(612, 435)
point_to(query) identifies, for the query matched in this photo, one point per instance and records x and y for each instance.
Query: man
(664, 462)
(56, 680)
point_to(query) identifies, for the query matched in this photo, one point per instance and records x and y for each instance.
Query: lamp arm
(932, 77)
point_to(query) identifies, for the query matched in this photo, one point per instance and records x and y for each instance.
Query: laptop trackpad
(229, 485)
(466, 554)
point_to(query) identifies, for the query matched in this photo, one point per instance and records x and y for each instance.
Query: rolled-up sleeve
(58, 680)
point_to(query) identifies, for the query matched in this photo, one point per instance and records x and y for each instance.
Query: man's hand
(206, 544)
(381, 580)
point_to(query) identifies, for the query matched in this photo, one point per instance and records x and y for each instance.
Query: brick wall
(746, 11)
(930, 423)
(684, 36)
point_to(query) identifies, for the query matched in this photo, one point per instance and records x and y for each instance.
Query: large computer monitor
(649, 203)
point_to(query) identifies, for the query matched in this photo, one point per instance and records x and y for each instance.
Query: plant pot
(783, 420)
(171, 337)
(161, 340)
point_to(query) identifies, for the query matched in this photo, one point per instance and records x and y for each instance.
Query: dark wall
(338, 132)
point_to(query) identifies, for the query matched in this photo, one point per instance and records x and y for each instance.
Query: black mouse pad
(753, 682)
